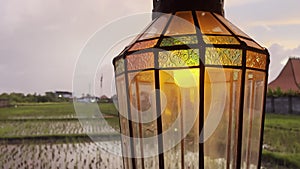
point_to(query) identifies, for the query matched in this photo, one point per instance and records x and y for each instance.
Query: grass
(47, 110)
(282, 137)
(36, 110)
(281, 160)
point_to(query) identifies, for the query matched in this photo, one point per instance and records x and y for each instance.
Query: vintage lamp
(191, 91)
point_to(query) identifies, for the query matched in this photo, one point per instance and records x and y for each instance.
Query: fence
(4, 103)
(283, 105)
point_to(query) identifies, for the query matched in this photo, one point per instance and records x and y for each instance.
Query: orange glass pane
(223, 56)
(140, 61)
(209, 25)
(220, 40)
(120, 66)
(252, 43)
(143, 45)
(179, 58)
(256, 60)
(182, 23)
(232, 27)
(181, 40)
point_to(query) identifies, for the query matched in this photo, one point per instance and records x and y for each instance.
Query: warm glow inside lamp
(191, 91)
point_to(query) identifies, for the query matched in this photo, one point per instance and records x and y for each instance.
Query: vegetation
(15, 98)
(281, 141)
(31, 127)
(279, 93)
(54, 110)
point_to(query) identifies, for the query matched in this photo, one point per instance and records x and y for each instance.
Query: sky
(40, 41)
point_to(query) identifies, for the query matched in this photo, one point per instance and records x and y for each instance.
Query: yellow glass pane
(221, 110)
(223, 56)
(179, 58)
(232, 27)
(120, 66)
(182, 23)
(180, 107)
(155, 29)
(256, 60)
(226, 40)
(143, 45)
(209, 25)
(140, 61)
(181, 40)
(252, 43)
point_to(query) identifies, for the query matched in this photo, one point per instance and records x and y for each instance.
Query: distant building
(87, 99)
(4, 103)
(105, 99)
(64, 94)
(289, 77)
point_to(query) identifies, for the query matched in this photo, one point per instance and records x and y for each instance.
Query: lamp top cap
(171, 6)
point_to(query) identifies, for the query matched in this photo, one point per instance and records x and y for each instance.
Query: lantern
(191, 91)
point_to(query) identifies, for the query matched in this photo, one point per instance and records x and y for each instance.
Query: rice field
(57, 156)
(53, 136)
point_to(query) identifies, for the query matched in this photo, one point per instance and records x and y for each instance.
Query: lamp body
(191, 94)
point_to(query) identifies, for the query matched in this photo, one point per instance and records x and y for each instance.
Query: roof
(63, 92)
(289, 77)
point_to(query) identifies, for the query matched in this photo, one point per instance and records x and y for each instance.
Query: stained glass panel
(143, 45)
(155, 29)
(253, 109)
(182, 40)
(256, 60)
(252, 43)
(140, 61)
(209, 25)
(119, 65)
(223, 56)
(220, 40)
(182, 23)
(179, 58)
(233, 28)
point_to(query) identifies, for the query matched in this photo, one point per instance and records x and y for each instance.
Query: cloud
(40, 40)
(279, 57)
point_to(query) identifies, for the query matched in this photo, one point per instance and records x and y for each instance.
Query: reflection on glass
(122, 104)
(253, 106)
(209, 25)
(143, 108)
(221, 86)
(182, 24)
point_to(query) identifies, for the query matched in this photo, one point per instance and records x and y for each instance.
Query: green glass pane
(223, 56)
(256, 60)
(182, 40)
(179, 58)
(220, 40)
(119, 65)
